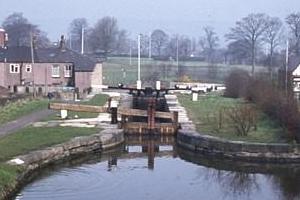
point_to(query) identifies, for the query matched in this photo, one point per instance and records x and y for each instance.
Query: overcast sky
(141, 16)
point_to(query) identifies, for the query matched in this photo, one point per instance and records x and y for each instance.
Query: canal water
(155, 168)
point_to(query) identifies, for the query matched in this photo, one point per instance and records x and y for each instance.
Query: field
(119, 70)
(22, 107)
(205, 115)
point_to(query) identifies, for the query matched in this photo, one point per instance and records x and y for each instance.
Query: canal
(156, 168)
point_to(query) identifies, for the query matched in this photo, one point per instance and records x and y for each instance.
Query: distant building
(48, 69)
(291, 76)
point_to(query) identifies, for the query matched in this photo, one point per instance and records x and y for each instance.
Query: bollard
(175, 116)
(63, 114)
(194, 96)
(114, 115)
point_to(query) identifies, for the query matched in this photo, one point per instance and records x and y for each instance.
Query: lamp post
(139, 83)
(286, 66)
(32, 62)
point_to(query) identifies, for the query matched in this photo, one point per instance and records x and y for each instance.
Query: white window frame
(14, 68)
(68, 71)
(55, 72)
(28, 68)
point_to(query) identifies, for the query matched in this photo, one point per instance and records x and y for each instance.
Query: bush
(243, 118)
(237, 83)
(272, 100)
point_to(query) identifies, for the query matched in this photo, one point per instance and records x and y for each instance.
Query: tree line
(255, 39)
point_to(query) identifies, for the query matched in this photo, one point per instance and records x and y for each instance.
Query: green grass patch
(8, 176)
(205, 115)
(21, 108)
(33, 138)
(29, 139)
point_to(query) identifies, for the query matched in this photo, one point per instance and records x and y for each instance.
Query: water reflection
(155, 168)
(288, 183)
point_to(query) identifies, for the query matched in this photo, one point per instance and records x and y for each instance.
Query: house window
(68, 71)
(28, 68)
(14, 68)
(55, 71)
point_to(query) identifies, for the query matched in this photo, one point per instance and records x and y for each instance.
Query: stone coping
(32, 161)
(239, 150)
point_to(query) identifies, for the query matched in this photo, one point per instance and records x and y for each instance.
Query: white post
(139, 84)
(32, 63)
(63, 114)
(286, 65)
(82, 40)
(139, 57)
(194, 96)
(130, 52)
(150, 45)
(177, 54)
(158, 85)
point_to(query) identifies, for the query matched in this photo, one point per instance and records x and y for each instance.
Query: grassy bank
(21, 108)
(205, 115)
(35, 138)
(29, 139)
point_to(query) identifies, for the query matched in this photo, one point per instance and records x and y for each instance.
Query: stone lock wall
(238, 150)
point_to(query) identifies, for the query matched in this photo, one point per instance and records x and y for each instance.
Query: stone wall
(105, 140)
(238, 150)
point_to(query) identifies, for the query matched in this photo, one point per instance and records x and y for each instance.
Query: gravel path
(24, 121)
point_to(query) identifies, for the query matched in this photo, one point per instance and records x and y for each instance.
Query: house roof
(294, 62)
(16, 54)
(56, 55)
(49, 55)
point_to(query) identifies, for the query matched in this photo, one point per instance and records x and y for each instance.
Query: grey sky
(181, 16)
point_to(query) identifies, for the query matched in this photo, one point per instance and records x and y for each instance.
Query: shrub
(237, 83)
(275, 102)
(243, 118)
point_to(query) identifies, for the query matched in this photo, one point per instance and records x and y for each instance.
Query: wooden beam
(144, 113)
(77, 107)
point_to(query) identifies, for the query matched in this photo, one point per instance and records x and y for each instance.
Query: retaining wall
(105, 140)
(238, 150)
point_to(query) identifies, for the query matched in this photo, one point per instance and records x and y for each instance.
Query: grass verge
(29, 139)
(204, 114)
(35, 138)
(21, 108)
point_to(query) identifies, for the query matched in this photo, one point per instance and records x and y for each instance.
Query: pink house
(48, 68)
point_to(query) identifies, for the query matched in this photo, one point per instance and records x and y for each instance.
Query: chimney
(62, 43)
(3, 38)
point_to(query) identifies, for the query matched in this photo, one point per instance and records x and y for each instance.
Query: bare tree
(76, 28)
(272, 37)
(293, 21)
(103, 35)
(122, 42)
(185, 46)
(20, 31)
(250, 30)
(209, 43)
(159, 40)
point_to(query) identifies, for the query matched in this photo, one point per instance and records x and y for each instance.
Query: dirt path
(24, 121)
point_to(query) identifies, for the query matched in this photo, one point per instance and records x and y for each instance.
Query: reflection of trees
(234, 183)
(288, 184)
